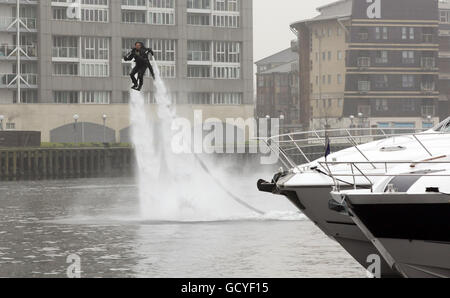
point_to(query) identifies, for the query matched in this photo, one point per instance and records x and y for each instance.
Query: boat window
(402, 183)
(392, 149)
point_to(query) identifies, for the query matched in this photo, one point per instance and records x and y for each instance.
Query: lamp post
(1, 121)
(268, 126)
(282, 123)
(104, 117)
(75, 118)
(352, 119)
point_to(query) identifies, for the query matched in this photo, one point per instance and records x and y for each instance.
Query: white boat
(308, 185)
(406, 215)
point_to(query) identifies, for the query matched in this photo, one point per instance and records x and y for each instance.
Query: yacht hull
(314, 204)
(410, 231)
(419, 259)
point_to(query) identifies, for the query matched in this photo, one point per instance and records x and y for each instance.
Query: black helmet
(141, 43)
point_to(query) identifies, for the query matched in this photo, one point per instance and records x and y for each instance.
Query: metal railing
(8, 50)
(291, 145)
(65, 52)
(385, 169)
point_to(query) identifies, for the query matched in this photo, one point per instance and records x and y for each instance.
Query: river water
(44, 222)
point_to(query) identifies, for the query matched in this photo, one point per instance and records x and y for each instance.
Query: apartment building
(371, 64)
(72, 50)
(444, 58)
(277, 90)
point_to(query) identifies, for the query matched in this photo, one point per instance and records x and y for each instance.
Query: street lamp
(282, 123)
(352, 119)
(104, 117)
(1, 121)
(268, 126)
(75, 118)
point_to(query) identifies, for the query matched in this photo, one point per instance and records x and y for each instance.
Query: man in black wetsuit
(140, 56)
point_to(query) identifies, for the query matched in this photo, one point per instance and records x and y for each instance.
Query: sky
(271, 20)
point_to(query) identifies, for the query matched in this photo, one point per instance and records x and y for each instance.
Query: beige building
(328, 50)
(50, 118)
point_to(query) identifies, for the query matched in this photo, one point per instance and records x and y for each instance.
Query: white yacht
(406, 215)
(308, 185)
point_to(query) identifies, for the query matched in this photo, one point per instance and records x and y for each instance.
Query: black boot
(134, 87)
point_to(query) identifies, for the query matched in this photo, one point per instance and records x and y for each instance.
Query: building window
(65, 69)
(409, 105)
(95, 97)
(407, 81)
(444, 16)
(339, 55)
(198, 19)
(329, 79)
(329, 55)
(381, 105)
(227, 98)
(381, 57)
(407, 33)
(381, 81)
(364, 85)
(68, 97)
(89, 11)
(408, 57)
(198, 71)
(339, 79)
(381, 33)
(199, 50)
(199, 98)
(363, 34)
(133, 17)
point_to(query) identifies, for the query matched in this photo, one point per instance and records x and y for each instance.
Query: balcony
(199, 56)
(428, 63)
(7, 78)
(428, 110)
(134, 5)
(364, 62)
(5, 22)
(427, 38)
(363, 86)
(428, 87)
(7, 50)
(32, 2)
(65, 53)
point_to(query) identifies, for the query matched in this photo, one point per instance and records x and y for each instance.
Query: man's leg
(141, 74)
(133, 76)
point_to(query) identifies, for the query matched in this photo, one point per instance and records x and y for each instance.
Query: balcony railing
(428, 62)
(199, 56)
(428, 110)
(363, 86)
(427, 38)
(7, 78)
(428, 86)
(6, 50)
(65, 52)
(364, 62)
(6, 21)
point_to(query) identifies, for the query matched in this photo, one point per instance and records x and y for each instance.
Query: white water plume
(172, 186)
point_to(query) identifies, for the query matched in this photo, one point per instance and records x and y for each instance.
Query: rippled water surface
(42, 223)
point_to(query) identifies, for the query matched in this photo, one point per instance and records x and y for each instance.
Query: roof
(284, 68)
(335, 10)
(284, 56)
